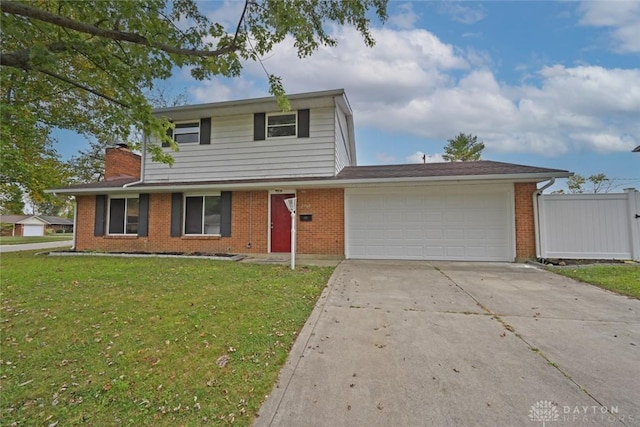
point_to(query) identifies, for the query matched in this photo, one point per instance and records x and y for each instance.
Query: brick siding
(121, 162)
(249, 225)
(525, 222)
(324, 234)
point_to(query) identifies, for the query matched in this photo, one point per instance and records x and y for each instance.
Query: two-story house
(239, 160)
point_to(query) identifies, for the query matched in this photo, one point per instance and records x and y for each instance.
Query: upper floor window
(279, 125)
(187, 133)
(123, 215)
(202, 214)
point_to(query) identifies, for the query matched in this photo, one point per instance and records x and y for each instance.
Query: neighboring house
(239, 160)
(35, 225)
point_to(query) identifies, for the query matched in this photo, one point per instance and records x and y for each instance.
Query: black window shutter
(205, 131)
(259, 126)
(176, 214)
(170, 135)
(225, 214)
(101, 208)
(143, 215)
(303, 123)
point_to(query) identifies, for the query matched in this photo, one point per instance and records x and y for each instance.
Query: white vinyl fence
(590, 226)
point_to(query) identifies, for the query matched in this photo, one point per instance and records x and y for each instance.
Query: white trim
(324, 183)
(249, 106)
(288, 113)
(126, 205)
(184, 212)
(197, 123)
(272, 192)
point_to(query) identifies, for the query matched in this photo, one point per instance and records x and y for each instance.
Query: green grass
(131, 341)
(20, 240)
(622, 279)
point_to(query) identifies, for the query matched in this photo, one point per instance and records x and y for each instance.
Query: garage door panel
(414, 234)
(456, 223)
(455, 251)
(413, 217)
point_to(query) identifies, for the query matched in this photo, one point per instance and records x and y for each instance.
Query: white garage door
(430, 223)
(33, 230)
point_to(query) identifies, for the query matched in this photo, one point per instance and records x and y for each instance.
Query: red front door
(280, 223)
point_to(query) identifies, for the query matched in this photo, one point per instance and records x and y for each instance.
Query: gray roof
(51, 220)
(13, 219)
(481, 169)
(55, 220)
(444, 169)
(113, 183)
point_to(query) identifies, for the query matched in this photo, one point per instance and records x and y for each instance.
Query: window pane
(284, 119)
(282, 131)
(116, 216)
(185, 133)
(193, 215)
(192, 127)
(212, 215)
(132, 216)
(281, 125)
(185, 138)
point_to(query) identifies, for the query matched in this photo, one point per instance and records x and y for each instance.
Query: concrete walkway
(34, 246)
(461, 344)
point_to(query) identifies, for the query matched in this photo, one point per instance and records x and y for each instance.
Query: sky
(541, 83)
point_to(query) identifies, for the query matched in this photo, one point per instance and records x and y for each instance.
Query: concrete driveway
(461, 344)
(34, 246)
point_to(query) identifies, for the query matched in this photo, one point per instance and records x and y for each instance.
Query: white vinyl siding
(233, 154)
(342, 136)
(449, 222)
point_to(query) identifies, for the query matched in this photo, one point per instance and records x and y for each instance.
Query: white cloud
(605, 141)
(412, 83)
(420, 157)
(226, 13)
(226, 89)
(623, 17)
(465, 14)
(405, 18)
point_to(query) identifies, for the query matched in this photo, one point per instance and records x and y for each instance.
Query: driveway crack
(536, 350)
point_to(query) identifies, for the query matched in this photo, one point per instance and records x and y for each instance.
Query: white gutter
(319, 183)
(142, 161)
(536, 218)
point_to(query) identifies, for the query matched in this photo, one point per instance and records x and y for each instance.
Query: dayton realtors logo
(544, 411)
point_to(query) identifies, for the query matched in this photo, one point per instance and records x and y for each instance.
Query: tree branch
(83, 87)
(44, 16)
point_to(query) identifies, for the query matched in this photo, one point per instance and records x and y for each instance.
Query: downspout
(75, 222)
(142, 162)
(536, 218)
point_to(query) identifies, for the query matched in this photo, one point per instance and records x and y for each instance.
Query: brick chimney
(120, 162)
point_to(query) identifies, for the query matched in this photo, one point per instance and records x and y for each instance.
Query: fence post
(633, 209)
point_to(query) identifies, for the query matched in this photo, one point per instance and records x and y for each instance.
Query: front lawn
(21, 240)
(623, 279)
(132, 341)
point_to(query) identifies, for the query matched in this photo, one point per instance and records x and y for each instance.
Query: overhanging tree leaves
(88, 165)
(85, 66)
(464, 147)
